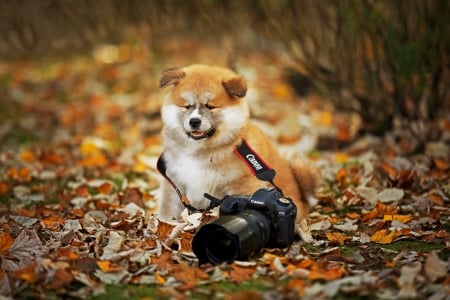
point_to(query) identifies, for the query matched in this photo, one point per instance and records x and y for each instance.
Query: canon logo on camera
(251, 158)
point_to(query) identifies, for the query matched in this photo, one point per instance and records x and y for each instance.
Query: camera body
(245, 226)
(279, 211)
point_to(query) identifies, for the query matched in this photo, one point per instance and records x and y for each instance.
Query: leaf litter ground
(78, 188)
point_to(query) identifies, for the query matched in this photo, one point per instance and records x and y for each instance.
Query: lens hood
(232, 237)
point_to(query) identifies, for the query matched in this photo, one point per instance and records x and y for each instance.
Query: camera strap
(257, 166)
(162, 168)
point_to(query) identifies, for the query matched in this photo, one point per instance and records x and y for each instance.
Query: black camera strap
(254, 162)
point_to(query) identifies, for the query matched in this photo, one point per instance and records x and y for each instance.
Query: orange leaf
(240, 274)
(400, 218)
(383, 236)
(326, 118)
(337, 237)
(441, 163)
(27, 156)
(61, 277)
(297, 285)
(22, 174)
(186, 241)
(4, 188)
(353, 215)
(28, 273)
(341, 157)
(164, 262)
(160, 279)
(189, 276)
(326, 274)
(6, 242)
(66, 253)
(164, 230)
(52, 222)
(341, 175)
(107, 266)
(95, 160)
(105, 188)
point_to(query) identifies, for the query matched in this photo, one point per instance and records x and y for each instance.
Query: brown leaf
(189, 276)
(434, 267)
(60, 278)
(132, 195)
(337, 237)
(245, 295)
(164, 230)
(240, 274)
(326, 273)
(164, 262)
(26, 247)
(6, 242)
(28, 274)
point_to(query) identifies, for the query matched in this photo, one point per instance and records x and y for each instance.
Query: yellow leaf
(326, 118)
(107, 266)
(160, 279)
(27, 156)
(281, 91)
(383, 236)
(400, 218)
(341, 157)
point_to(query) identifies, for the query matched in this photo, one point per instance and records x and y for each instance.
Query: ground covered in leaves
(79, 141)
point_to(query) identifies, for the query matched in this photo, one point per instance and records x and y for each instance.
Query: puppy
(204, 119)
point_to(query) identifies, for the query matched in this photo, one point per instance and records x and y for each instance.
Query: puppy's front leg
(169, 204)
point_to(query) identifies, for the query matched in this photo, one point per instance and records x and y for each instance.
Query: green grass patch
(413, 245)
(217, 290)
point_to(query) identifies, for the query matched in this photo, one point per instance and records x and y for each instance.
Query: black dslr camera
(245, 226)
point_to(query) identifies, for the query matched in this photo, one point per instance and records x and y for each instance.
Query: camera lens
(231, 237)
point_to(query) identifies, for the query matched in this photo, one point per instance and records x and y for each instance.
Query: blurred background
(387, 61)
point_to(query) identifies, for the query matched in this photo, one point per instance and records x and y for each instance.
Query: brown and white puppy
(205, 117)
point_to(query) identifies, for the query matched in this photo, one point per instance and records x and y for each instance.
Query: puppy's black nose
(195, 123)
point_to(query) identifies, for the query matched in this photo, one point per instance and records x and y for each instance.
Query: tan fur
(211, 165)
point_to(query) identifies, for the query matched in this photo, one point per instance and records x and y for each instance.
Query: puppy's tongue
(197, 134)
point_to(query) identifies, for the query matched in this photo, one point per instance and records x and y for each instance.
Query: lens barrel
(232, 237)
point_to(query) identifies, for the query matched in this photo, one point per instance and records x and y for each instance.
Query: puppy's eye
(188, 106)
(209, 106)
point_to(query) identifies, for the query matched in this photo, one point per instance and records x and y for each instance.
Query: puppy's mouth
(198, 135)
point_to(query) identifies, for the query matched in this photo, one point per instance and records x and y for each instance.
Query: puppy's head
(205, 103)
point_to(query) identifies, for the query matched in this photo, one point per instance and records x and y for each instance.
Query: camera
(246, 224)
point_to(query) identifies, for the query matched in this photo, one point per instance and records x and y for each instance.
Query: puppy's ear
(235, 87)
(171, 76)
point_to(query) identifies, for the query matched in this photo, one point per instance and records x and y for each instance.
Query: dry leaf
(434, 267)
(6, 242)
(384, 236)
(240, 274)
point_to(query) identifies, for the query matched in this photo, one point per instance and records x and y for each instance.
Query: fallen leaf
(107, 266)
(384, 236)
(240, 274)
(189, 276)
(337, 237)
(434, 267)
(318, 272)
(6, 242)
(407, 280)
(388, 195)
(401, 218)
(28, 273)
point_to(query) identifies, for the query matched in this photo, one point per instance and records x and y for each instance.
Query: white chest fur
(194, 177)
